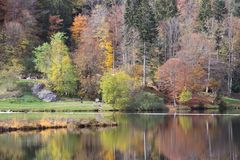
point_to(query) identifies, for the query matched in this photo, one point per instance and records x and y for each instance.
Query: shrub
(185, 96)
(25, 85)
(145, 101)
(116, 88)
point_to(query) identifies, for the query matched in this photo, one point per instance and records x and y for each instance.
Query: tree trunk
(209, 73)
(144, 64)
(230, 47)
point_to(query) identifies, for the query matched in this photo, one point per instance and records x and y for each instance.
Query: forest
(124, 52)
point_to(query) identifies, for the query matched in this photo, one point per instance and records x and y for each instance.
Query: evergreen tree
(139, 14)
(219, 10)
(61, 8)
(205, 13)
(165, 9)
(237, 8)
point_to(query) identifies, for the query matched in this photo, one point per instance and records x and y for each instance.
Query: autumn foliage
(173, 77)
(78, 27)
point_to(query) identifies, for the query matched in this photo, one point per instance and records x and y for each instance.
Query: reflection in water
(138, 137)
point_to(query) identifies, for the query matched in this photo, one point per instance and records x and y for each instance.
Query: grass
(29, 103)
(60, 115)
(232, 103)
(231, 100)
(39, 121)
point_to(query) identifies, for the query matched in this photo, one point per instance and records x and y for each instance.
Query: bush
(27, 98)
(25, 85)
(185, 96)
(116, 88)
(145, 101)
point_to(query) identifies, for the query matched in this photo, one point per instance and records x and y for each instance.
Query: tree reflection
(138, 137)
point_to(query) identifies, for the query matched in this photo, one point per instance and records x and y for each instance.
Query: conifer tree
(237, 8)
(219, 10)
(165, 9)
(205, 13)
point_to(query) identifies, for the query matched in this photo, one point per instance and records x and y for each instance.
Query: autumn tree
(90, 55)
(105, 45)
(55, 24)
(53, 60)
(20, 26)
(115, 20)
(172, 78)
(78, 27)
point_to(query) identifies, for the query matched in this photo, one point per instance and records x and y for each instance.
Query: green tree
(237, 8)
(205, 13)
(116, 88)
(53, 59)
(139, 15)
(185, 95)
(219, 10)
(43, 58)
(47, 8)
(165, 9)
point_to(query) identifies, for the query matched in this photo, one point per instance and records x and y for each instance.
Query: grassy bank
(60, 106)
(41, 121)
(231, 104)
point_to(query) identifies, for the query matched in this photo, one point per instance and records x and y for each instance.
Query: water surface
(138, 137)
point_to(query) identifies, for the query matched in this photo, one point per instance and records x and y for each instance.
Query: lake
(138, 137)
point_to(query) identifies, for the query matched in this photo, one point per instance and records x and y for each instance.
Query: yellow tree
(78, 27)
(105, 45)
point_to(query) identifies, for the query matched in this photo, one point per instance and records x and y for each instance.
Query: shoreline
(39, 125)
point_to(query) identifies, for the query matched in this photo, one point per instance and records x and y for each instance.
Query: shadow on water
(138, 137)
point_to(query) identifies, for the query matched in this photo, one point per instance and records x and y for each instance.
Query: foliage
(185, 95)
(78, 26)
(53, 59)
(193, 44)
(42, 57)
(105, 45)
(172, 77)
(237, 8)
(25, 85)
(140, 15)
(145, 101)
(165, 9)
(9, 76)
(205, 14)
(219, 10)
(55, 24)
(116, 88)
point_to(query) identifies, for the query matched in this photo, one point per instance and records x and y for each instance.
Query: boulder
(47, 95)
(37, 88)
(43, 94)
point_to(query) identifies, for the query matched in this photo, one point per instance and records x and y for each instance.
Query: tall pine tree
(165, 9)
(205, 13)
(139, 14)
(237, 8)
(219, 10)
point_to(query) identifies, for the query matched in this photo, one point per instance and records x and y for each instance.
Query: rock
(43, 94)
(47, 95)
(37, 88)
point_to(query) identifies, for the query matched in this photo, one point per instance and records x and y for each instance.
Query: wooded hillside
(178, 47)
